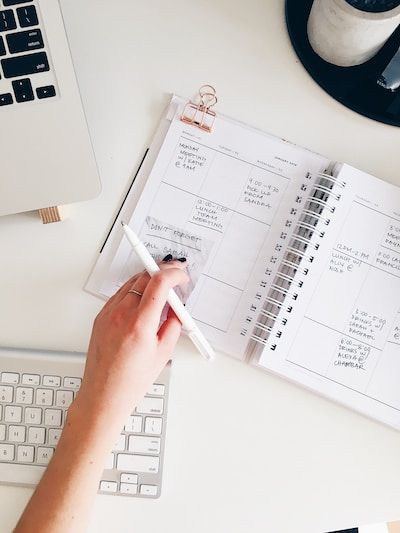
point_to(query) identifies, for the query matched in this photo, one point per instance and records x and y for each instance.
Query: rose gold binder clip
(201, 115)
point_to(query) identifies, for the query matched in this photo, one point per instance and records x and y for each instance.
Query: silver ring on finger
(133, 291)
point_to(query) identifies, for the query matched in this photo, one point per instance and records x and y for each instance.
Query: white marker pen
(194, 334)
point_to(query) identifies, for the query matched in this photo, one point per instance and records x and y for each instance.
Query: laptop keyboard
(25, 71)
(33, 409)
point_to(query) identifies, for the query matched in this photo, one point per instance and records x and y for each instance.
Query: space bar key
(11, 473)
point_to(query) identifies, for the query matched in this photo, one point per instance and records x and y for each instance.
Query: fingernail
(167, 258)
(182, 259)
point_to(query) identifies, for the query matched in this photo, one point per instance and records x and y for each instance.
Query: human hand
(127, 352)
(128, 349)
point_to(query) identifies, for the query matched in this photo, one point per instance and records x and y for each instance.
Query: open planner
(294, 259)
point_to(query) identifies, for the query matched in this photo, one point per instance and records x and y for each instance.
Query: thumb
(169, 332)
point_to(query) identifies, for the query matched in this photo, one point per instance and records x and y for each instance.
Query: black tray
(355, 87)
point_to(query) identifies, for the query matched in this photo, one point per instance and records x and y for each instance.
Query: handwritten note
(354, 251)
(189, 157)
(257, 192)
(188, 165)
(365, 325)
(210, 215)
(341, 263)
(353, 363)
(394, 337)
(162, 239)
(351, 354)
(392, 237)
(388, 261)
(261, 194)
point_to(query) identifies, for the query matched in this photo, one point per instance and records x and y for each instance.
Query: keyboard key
(6, 394)
(134, 424)
(30, 474)
(108, 486)
(151, 406)
(25, 454)
(13, 413)
(157, 390)
(2, 432)
(14, 2)
(33, 415)
(139, 444)
(24, 41)
(52, 417)
(6, 99)
(30, 379)
(9, 377)
(24, 395)
(36, 435)
(44, 396)
(72, 383)
(148, 490)
(153, 426)
(46, 92)
(110, 462)
(7, 20)
(16, 433)
(25, 65)
(54, 436)
(27, 16)
(129, 478)
(44, 455)
(7, 452)
(2, 47)
(51, 381)
(23, 90)
(128, 488)
(138, 463)
(120, 444)
(64, 398)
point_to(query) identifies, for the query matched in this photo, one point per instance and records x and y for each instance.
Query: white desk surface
(245, 451)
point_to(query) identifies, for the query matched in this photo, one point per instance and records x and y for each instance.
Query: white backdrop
(245, 451)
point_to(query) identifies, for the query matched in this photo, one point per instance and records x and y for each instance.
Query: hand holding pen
(181, 312)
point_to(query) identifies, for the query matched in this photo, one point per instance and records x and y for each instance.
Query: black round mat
(355, 87)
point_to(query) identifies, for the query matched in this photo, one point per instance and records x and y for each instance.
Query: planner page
(215, 199)
(343, 339)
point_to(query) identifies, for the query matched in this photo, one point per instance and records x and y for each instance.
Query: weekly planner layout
(343, 337)
(294, 260)
(220, 194)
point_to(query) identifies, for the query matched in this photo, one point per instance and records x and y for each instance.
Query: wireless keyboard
(26, 74)
(36, 390)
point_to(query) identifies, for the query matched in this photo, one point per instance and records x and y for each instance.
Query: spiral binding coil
(297, 255)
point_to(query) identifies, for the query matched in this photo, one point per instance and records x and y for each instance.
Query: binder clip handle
(208, 96)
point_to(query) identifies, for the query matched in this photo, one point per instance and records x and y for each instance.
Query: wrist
(92, 429)
(106, 406)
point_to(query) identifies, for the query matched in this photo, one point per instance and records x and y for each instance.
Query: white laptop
(46, 153)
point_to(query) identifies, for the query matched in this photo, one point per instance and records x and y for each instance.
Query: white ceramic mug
(344, 35)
